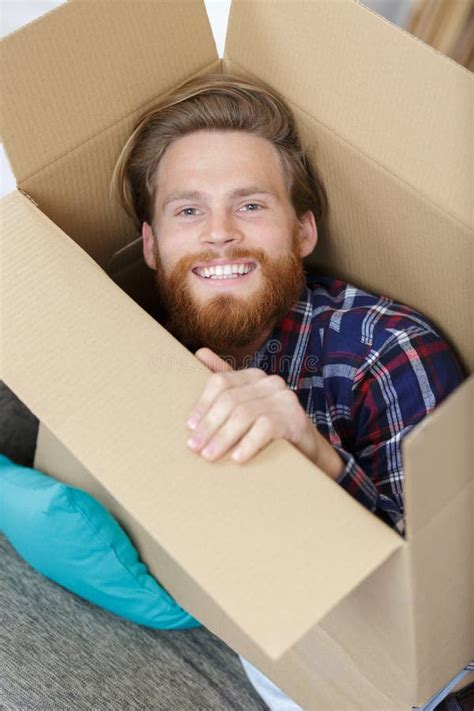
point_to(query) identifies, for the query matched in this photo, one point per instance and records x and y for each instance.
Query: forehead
(218, 160)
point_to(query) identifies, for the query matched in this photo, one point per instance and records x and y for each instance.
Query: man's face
(228, 248)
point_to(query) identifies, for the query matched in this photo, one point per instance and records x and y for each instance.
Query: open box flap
(86, 65)
(381, 89)
(94, 69)
(275, 543)
(439, 490)
(388, 123)
(439, 456)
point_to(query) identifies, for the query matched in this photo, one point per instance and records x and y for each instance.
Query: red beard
(223, 322)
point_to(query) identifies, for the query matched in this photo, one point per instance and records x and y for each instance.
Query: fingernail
(193, 442)
(208, 451)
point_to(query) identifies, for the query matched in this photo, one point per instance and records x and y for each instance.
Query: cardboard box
(274, 557)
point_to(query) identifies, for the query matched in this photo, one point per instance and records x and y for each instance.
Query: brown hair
(214, 102)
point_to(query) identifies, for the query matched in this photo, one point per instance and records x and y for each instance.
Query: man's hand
(249, 408)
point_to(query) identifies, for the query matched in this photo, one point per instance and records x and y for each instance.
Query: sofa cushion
(68, 536)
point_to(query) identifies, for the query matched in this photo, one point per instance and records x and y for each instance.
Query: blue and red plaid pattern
(366, 369)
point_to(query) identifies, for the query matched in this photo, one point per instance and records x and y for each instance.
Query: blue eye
(253, 207)
(187, 211)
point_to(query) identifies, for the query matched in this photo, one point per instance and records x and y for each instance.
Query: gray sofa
(59, 652)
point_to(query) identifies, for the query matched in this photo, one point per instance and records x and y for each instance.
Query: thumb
(212, 360)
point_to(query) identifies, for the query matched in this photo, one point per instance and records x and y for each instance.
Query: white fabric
(275, 699)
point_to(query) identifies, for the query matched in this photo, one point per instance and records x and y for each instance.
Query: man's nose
(220, 228)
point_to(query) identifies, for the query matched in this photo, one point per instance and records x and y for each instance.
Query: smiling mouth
(225, 273)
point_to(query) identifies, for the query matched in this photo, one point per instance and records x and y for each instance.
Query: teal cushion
(68, 536)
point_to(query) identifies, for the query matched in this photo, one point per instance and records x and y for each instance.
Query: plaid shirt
(366, 369)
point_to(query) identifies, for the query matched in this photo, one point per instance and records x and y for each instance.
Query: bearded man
(228, 204)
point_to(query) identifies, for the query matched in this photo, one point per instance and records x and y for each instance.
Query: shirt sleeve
(399, 384)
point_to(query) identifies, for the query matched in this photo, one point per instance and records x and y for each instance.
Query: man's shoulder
(343, 313)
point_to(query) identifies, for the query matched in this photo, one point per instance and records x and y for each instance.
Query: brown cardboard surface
(362, 654)
(320, 670)
(326, 669)
(378, 246)
(115, 398)
(409, 627)
(387, 119)
(317, 670)
(439, 477)
(364, 130)
(373, 108)
(87, 65)
(97, 67)
(376, 86)
(441, 571)
(82, 208)
(441, 442)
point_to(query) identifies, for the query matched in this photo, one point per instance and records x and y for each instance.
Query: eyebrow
(196, 195)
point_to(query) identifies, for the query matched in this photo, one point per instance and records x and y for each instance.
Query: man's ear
(148, 245)
(308, 233)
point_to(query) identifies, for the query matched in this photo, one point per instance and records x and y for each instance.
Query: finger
(264, 431)
(212, 360)
(241, 420)
(231, 399)
(217, 384)
(230, 434)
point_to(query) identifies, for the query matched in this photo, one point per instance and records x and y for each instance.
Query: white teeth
(228, 271)
(225, 276)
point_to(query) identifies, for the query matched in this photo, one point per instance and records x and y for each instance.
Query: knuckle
(242, 413)
(289, 398)
(277, 382)
(266, 423)
(292, 396)
(219, 380)
(257, 373)
(227, 400)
